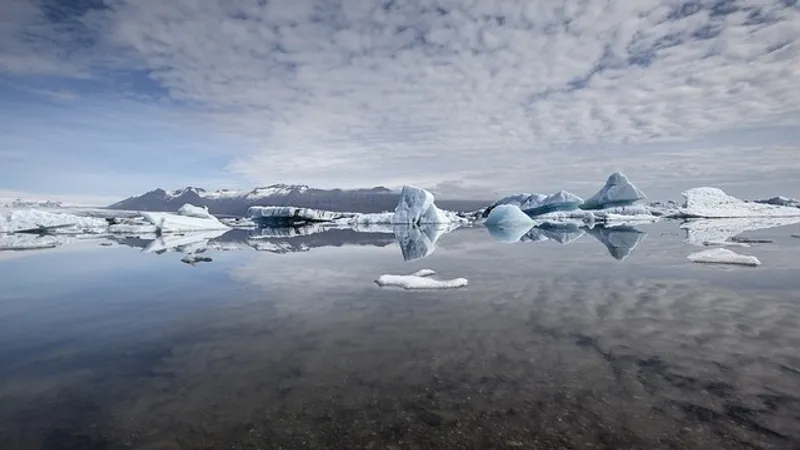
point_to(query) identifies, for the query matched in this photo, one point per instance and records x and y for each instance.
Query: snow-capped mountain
(236, 202)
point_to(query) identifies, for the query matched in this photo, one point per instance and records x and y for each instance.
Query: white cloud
(357, 93)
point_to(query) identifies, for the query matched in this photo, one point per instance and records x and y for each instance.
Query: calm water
(588, 345)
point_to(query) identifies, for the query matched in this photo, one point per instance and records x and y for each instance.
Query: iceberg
(708, 202)
(420, 280)
(723, 256)
(523, 200)
(508, 216)
(560, 201)
(618, 191)
(619, 240)
(174, 223)
(194, 259)
(272, 216)
(20, 242)
(190, 210)
(416, 207)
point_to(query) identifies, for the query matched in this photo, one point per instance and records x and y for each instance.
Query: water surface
(583, 345)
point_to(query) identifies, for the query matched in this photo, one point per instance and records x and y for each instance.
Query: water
(295, 346)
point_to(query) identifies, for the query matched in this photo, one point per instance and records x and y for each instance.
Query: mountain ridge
(236, 202)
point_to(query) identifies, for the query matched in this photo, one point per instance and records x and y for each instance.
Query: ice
(508, 216)
(26, 219)
(132, 228)
(619, 240)
(618, 191)
(708, 202)
(190, 210)
(20, 242)
(781, 201)
(275, 215)
(420, 280)
(560, 201)
(720, 231)
(174, 223)
(723, 256)
(416, 207)
(516, 200)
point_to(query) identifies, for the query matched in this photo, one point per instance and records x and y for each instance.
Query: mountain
(235, 202)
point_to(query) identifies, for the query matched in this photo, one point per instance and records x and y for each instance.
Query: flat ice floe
(708, 202)
(174, 223)
(26, 219)
(420, 280)
(723, 256)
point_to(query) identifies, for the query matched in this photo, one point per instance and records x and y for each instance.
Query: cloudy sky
(472, 97)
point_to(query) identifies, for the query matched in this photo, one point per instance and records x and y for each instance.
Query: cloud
(484, 93)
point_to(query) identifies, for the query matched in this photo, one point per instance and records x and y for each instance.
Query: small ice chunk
(723, 256)
(416, 206)
(190, 210)
(419, 280)
(617, 191)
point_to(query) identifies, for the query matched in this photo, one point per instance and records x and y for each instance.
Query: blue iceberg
(618, 191)
(560, 201)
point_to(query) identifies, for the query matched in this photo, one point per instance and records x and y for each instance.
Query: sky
(471, 98)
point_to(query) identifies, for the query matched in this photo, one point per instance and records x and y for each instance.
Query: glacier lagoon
(564, 337)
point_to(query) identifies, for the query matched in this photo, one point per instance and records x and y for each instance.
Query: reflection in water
(306, 352)
(418, 242)
(619, 240)
(719, 231)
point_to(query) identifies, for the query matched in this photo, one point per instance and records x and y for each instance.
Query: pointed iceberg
(416, 207)
(618, 191)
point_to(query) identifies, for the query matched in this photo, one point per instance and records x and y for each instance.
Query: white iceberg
(190, 210)
(416, 207)
(618, 191)
(708, 202)
(703, 232)
(174, 223)
(60, 223)
(420, 280)
(723, 256)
